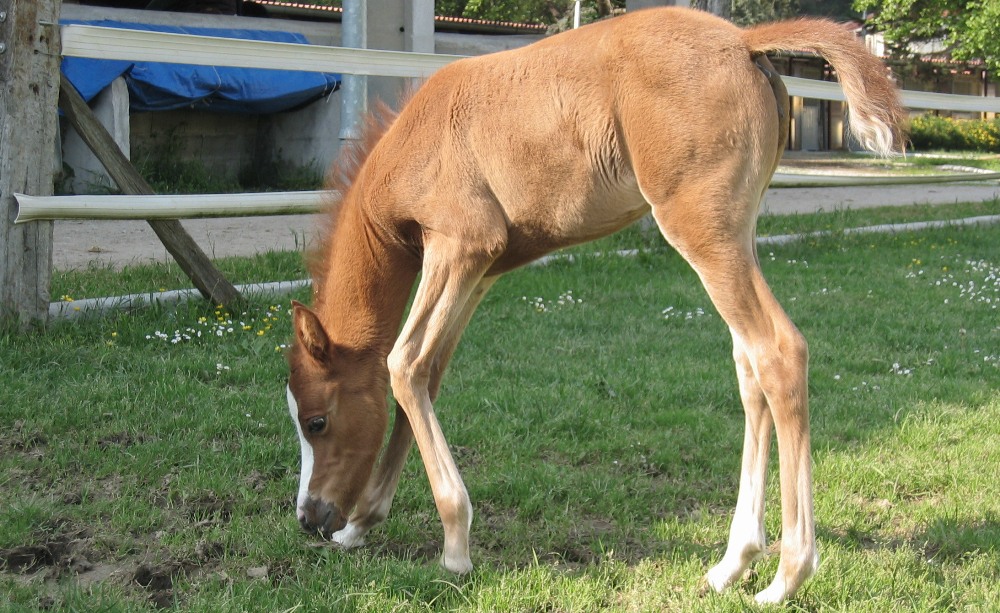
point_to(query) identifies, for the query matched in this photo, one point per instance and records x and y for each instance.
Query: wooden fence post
(171, 233)
(29, 89)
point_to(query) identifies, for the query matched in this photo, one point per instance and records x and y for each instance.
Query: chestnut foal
(497, 160)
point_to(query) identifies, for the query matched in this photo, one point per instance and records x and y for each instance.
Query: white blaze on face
(307, 456)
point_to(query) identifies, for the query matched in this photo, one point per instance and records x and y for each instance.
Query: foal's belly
(546, 228)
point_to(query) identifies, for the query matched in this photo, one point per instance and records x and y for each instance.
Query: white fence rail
(195, 206)
(829, 90)
(34, 208)
(139, 45)
(101, 43)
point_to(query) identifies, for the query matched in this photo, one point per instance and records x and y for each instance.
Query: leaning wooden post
(172, 234)
(29, 87)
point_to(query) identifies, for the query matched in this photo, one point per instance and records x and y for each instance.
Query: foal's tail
(876, 115)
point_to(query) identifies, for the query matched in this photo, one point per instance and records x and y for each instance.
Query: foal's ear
(309, 331)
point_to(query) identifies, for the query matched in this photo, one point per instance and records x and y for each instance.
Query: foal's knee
(782, 368)
(406, 374)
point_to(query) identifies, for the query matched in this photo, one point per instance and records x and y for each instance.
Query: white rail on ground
(805, 179)
(72, 309)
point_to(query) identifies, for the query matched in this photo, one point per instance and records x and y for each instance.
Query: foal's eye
(316, 425)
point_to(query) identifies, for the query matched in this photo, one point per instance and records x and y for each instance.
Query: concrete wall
(87, 175)
(228, 144)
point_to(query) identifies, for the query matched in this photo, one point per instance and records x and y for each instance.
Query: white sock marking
(349, 537)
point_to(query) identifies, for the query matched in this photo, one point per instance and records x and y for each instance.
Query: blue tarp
(156, 86)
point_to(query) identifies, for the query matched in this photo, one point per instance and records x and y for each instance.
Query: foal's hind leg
(771, 349)
(747, 540)
(374, 505)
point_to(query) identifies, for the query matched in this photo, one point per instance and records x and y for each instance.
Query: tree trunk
(29, 89)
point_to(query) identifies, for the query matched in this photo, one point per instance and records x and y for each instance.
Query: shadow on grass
(944, 540)
(948, 540)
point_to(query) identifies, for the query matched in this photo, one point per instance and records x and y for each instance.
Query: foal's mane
(339, 178)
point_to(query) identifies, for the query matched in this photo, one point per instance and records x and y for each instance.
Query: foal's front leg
(445, 297)
(374, 505)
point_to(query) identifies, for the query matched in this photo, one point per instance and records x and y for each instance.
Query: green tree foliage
(743, 12)
(967, 28)
(526, 11)
(929, 132)
(842, 10)
(747, 12)
(517, 11)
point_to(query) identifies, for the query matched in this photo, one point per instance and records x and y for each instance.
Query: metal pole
(353, 88)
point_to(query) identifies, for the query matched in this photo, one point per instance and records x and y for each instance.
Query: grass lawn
(147, 459)
(915, 162)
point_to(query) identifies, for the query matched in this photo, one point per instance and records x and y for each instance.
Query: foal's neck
(367, 284)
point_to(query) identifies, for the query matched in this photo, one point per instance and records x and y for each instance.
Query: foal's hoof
(456, 565)
(704, 587)
(349, 537)
(776, 593)
(717, 580)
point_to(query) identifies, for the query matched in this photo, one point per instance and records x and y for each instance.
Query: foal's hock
(500, 159)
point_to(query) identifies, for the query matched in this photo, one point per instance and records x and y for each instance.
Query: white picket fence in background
(138, 45)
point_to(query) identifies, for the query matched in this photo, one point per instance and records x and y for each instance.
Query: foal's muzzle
(321, 517)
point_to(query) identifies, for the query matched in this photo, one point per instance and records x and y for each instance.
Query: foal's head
(339, 412)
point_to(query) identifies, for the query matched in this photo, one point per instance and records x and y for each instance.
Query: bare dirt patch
(66, 550)
(81, 556)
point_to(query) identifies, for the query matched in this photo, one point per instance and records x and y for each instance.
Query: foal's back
(556, 143)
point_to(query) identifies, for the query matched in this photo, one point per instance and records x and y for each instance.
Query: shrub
(933, 132)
